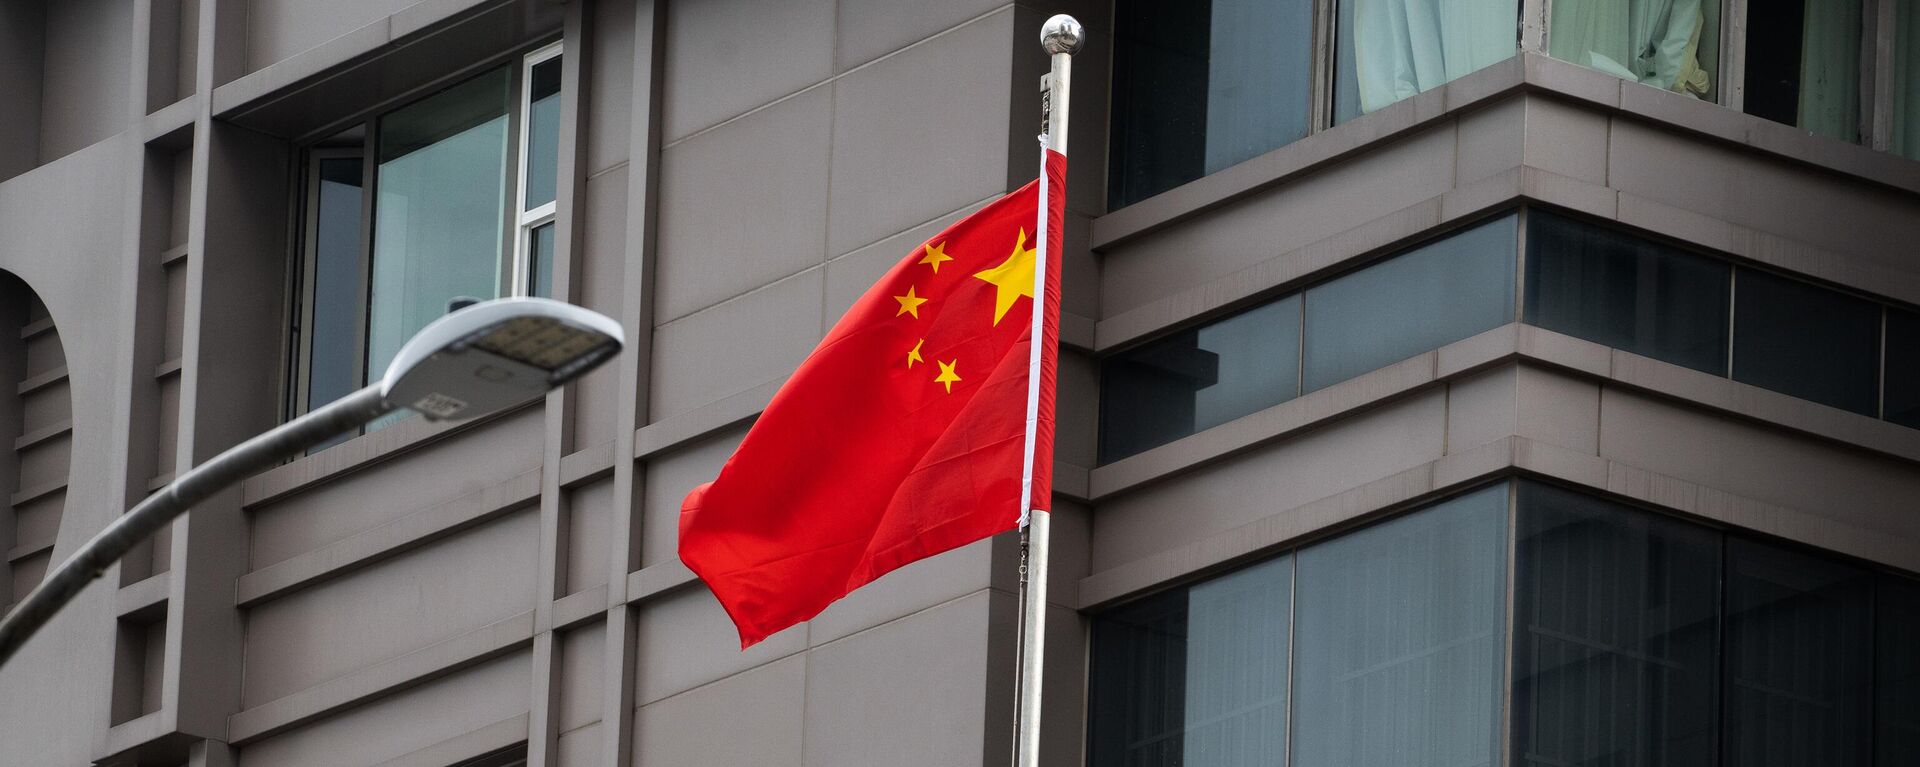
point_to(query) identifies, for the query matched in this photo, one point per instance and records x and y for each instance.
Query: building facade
(1430, 394)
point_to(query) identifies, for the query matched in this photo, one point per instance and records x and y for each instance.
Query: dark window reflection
(1615, 289)
(1798, 659)
(1807, 341)
(333, 332)
(1903, 368)
(1199, 86)
(1614, 654)
(1897, 677)
(540, 261)
(1200, 378)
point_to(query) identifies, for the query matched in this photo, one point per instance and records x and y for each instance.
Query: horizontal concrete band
(1525, 72)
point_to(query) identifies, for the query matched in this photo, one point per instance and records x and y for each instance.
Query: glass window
(1797, 659)
(1202, 85)
(1390, 49)
(543, 132)
(541, 261)
(1803, 64)
(1906, 80)
(1903, 368)
(1668, 44)
(1616, 645)
(1423, 299)
(1399, 632)
(1897, 676)
(440, 209)
(332, 355)
(1625, 292)
(1807, 341)
(1195, 676)
(1200, 378)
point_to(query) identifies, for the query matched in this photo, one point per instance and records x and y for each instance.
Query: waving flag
(903, 435)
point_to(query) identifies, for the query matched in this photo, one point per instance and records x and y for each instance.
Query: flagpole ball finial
(1062, 34)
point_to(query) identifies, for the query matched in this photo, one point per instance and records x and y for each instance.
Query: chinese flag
(902, 435)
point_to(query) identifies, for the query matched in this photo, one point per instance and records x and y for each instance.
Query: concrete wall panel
(920, 133)
(581, 651)
(279, 29)
(869, 29)
(590, 511)
(581, 748)
(1861, 490)
(386, 491)
(1239, 490)
(88, 50)
(603, 262)
(401, 724)
(452, 587)
(762, 714)
(725, 57)
(736, 345)
(686, 640)
(749, 194)
(669, 478)
(911, 691)
(610, 90)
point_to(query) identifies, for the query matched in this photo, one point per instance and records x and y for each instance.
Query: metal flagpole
(1061, 37)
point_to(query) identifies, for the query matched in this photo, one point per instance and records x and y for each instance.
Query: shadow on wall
(36, 437)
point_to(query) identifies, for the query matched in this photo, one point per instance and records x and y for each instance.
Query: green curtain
(1403, 47)
(1906, 80)
(1656, 42)
(1830, 69)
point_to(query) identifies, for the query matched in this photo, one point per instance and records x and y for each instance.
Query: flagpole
(1061, 37)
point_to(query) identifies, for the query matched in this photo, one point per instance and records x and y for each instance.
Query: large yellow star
(947, 376)
(1012, 279)
(910, 303)
(913, 355)
(935, 255)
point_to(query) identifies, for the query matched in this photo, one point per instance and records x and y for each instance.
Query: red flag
(902, 435)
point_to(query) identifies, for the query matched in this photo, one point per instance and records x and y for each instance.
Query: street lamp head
(496, 354)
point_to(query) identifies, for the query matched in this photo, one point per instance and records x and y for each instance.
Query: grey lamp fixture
(478, 360)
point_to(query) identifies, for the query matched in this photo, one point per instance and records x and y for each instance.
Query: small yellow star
(909, 303)
(1012, 279)
(913, 355)
(935, 255)
(947, 376)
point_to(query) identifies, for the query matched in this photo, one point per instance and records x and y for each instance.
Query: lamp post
(474, 361)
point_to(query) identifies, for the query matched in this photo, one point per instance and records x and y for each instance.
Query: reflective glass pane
(1669, 44)
(543, 131)
(1195, 677)
(1200, 378)
(1199, 86)
(333, 333)
(1902, 360)
(1388, 50)
(1805, 340)
(1798, 668)
(1433, 295)
(1615, 289)
(1399, 633)
(1803, 64)
(1615, 655)
(439, 209)
(540, 261)
(1906, 80)
(1897, 671)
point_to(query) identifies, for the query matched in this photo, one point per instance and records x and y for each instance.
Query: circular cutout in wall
(36, 437)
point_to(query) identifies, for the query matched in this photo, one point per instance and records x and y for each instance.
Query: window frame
(511, 274)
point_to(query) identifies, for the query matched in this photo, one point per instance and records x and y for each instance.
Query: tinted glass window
(1798, 668)
(543, 132)
(1903, 368)
(1196, 676)
(1807, 341)
(1897, 677)
(337, 299)
(1399, 636)
(540, 261)
(1200, 378)
(1627, 293)
(1199, 86)
(1616, 640)
(1803, 64)
(1420, 300)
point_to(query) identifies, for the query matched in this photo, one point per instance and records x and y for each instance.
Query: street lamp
(474, 361)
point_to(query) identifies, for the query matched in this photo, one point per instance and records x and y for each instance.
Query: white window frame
(526, 221)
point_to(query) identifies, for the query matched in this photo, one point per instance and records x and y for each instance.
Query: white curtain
(1830, 69)
(1403, 47)
(1656, 42)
